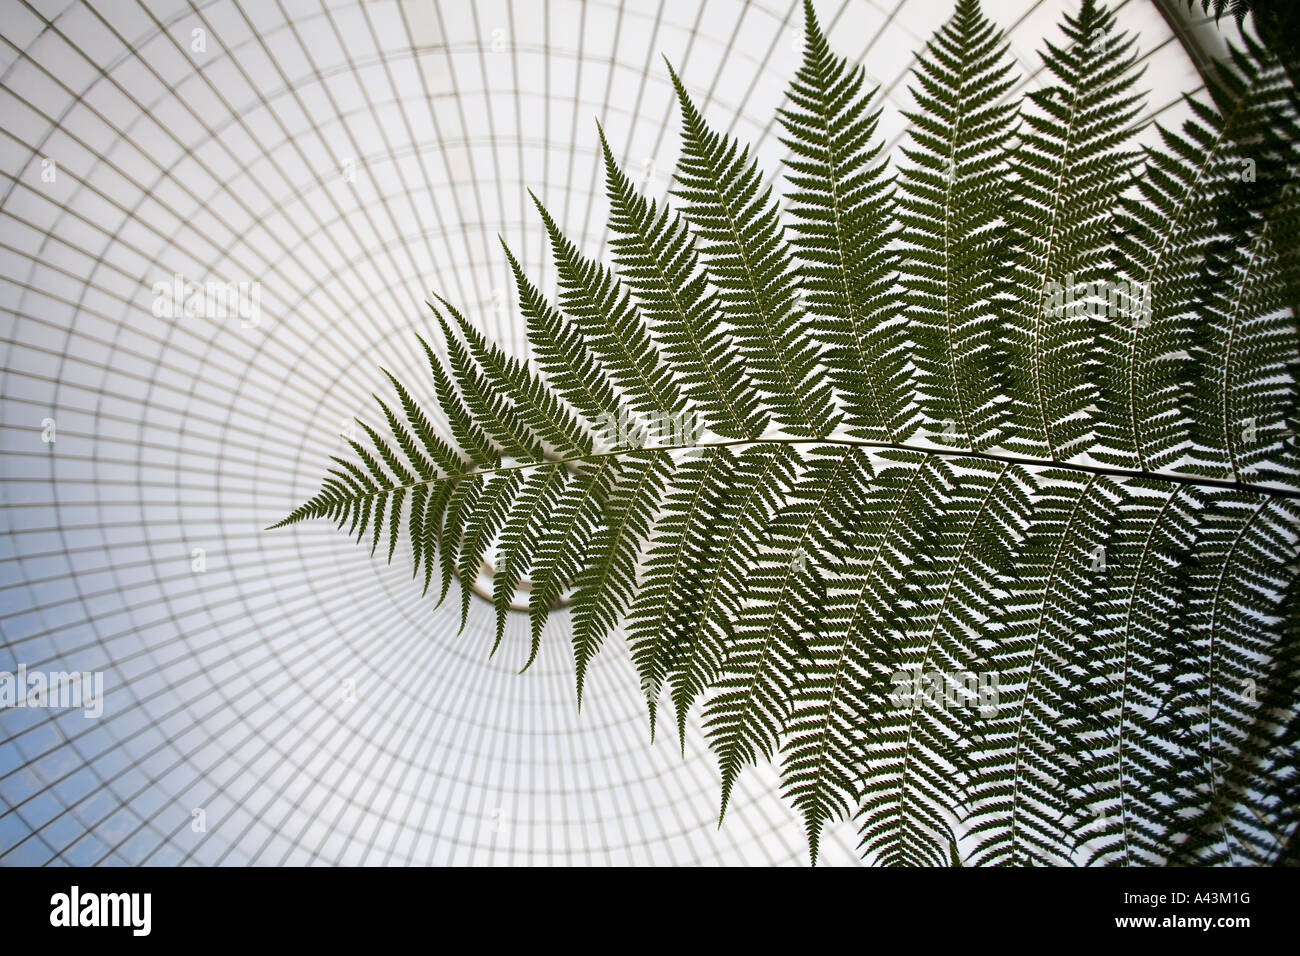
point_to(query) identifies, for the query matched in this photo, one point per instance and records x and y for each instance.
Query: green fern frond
(468, 434)
(1001, 577)
(488, 405)
(781, 603)
(520, 536)
(564, 543)
(1216, 178)
(669, 592)
(659, 264)
(843, 203)
(952, 194)
(562, 352)
(1068, 169)
(606, 585)
(535, 405)
(726, 554)
(969, 543)
(737, 229)
(613, 329)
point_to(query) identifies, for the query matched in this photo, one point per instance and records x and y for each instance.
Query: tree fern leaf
(416, 528)
(529, 514)
(838, 699)
(373, 507)
(843, 203)
(435, 508)
(562, 550)
(534, 403)
(960, 521)
(1248, 564)
(613, 329)
(395, 521)
(748, 712)
(952, 195)
(1169, 244)
(1245, 345)
(660, 267)
(1073, 541)
(660, 617)
(401, 475)
(1069, 167)
(562, 352)
(1029, 748)
(749, 262)
(487, 406)
(605, 587)
(460, 506)
(437, 450)
(724, 553)
(499, 493)
(1130, 781)
(422, 467)
(468, 435)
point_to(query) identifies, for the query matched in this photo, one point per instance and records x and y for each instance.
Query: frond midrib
(951, 453)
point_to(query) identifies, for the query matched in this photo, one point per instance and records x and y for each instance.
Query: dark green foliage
(1068, 170)
(659, 264)
(1211, 232)
(953, 192)
(843, 205)
(989, 532)
(738, 232)
(1277, 22)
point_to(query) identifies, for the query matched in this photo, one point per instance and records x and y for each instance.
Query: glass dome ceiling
(280, 697)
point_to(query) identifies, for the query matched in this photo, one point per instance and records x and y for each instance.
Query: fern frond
(468, 433)
(1130, 787)
(1069, 168)
(963, 521)
(1216, 175)
(487, 405)
(852, 651)
(562, 352)
(726, 553)
(739, 238)
(606, 585)
(843, 202)
(659, 264)
(1002, 579)
(492, 504)
(660, 618)
(561, 552)
(521, 534)
(438, 451)
(535, 405)
(749, 713)
(461, 504)
(613, 329)
(1020, 769)
(1242, 696)
(952, 194)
